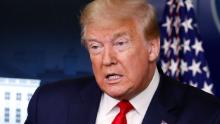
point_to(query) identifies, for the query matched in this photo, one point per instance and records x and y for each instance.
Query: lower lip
(113, 81)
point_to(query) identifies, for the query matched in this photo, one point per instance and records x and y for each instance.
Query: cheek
(97, 68)
(135, 66)
(96, 65)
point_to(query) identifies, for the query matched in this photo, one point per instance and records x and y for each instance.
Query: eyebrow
(90, 40)
(87, 40)
(115, 36)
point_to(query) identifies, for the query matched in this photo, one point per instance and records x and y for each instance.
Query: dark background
(40, 39)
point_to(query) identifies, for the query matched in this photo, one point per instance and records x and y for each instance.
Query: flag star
(175, 45)
(193, 84)
(183, 67)
(164, 66)
(208, 88)
(163, 122)
(189, 4)
(180, 4)
(173, 67)
(195, 67)
(197, 46)
(166, 45)
(170, 2)
(187, 24)
(167, 24)
(171, 5)
(186, 46)
(206, 69)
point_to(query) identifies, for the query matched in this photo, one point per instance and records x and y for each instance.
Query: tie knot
(125, 106)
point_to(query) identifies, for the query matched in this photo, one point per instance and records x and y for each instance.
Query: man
(123, 41)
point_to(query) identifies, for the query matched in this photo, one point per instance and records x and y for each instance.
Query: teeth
(113, 77)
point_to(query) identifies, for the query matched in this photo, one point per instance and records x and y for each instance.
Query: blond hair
(143, 12)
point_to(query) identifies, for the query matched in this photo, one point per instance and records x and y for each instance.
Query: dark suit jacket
(77, 102)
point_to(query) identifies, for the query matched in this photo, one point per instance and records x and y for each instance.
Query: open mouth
(113, 76)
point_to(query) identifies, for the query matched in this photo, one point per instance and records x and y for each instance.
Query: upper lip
(112, 74)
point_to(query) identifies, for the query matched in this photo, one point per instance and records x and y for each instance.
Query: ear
(153, 49)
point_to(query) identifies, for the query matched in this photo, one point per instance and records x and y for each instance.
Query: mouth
(113, 78)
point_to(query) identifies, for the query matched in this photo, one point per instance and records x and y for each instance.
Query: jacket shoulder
(194, 104)
(196, 95)
(68, 85)
(51, 100)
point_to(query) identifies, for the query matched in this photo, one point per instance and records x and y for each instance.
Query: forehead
(109, 29)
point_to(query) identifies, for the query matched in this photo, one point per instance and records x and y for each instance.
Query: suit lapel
(166, 103)
(85, 110)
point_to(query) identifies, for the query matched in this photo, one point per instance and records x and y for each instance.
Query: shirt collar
(108, 103)
(142, 101)
(141, 105)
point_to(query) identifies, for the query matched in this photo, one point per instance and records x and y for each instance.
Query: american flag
(182, 53)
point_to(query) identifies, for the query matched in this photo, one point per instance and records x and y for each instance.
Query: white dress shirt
(108, 109)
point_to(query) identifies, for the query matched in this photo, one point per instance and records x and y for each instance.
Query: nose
(109, 57)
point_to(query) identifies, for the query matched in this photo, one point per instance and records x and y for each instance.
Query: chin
(116, 91)
(117, 95)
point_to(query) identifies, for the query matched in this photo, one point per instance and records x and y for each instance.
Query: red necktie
(125, 107)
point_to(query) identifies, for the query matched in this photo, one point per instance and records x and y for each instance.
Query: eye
(95, 48)
(121, 44)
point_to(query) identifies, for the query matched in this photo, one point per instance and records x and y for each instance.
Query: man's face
(123, 62)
